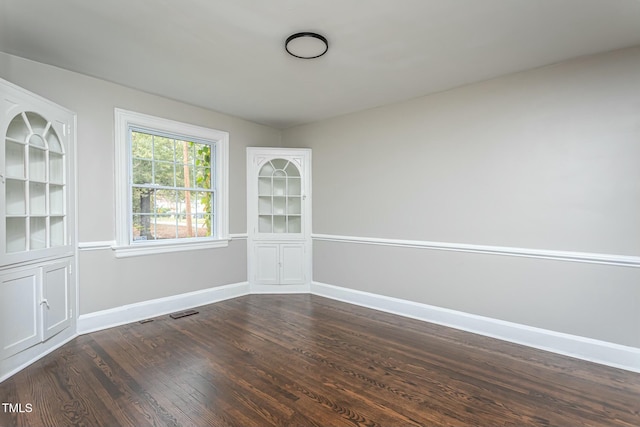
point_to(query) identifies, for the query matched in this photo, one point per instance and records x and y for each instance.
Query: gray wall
(546, 159)
(107, 282)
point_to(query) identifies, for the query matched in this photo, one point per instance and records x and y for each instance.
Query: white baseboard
(117, 316)
(602, 352)
(99, 320)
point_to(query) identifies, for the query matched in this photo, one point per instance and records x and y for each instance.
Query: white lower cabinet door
(267, 264)
(292, 266)
(55, 298)
(20, 313)
(279, 263)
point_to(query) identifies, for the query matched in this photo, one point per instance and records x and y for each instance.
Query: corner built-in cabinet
(279, 218)
(37, 239)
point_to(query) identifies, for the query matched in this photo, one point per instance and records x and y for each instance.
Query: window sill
(161, 248)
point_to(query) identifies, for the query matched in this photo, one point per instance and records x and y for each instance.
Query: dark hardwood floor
(301, 360)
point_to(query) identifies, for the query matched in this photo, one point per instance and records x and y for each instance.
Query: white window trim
(123, 121)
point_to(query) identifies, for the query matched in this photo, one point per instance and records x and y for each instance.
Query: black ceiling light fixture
(306, 45)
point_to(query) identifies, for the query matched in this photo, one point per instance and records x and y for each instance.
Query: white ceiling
(228, 55)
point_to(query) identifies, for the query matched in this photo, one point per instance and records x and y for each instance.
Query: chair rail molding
(584, 257)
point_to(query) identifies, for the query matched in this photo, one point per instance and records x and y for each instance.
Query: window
(171, 182)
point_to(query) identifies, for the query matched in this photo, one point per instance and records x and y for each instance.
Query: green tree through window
(171, 188)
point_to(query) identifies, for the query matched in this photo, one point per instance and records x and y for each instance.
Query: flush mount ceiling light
(306, 45)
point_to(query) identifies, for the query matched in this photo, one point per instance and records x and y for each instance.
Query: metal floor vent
(185, 313)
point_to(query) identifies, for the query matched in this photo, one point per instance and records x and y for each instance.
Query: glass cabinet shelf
(37, 164)
(37, 232)
(37, 198)
(279, 197)
(14, 153)
(18, 129)
(57, 231)
(294, 187)
(15, 197)
(35, 185)
(16, 234)
(56, 168)
(294, 205)
(56, 199)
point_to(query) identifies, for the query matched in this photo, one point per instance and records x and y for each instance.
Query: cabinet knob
(45, 302)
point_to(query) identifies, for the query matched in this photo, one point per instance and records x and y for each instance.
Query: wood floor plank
(302, 360)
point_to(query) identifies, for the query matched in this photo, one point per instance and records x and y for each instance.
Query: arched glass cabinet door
(35, 185)
(279, 198)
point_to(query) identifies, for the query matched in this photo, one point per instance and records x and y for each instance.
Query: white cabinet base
(20, 315)
(292, 263)
(267, 270)
(36, 305)
(280, 289)
(279, 264)
(56, 300)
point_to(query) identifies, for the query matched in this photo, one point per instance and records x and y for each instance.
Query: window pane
(187, 226)
(191, 202)
(166, 202)
(191, 153)
(180, 181)
(203, 225)
(190, 211)
(185, 152)
(203, 177)
(163, 149)
(141, 145)
(203, 154)
(203, 202)
(143, 200)
(142, 171)
(164, 227)
(163, 173)
(141, 225)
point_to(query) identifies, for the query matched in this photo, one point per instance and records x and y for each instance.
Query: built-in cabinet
(36, 305)
(37, 228)
(279, 218)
